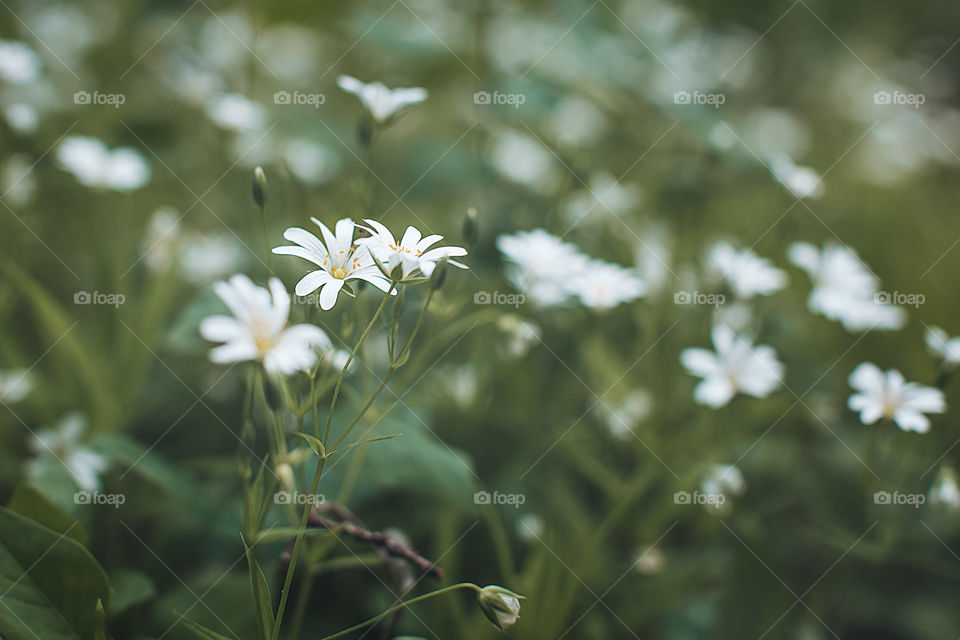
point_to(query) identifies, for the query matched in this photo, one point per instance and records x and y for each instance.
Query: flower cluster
(552, 272)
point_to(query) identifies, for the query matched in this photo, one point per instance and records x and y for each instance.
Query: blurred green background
(599, 545)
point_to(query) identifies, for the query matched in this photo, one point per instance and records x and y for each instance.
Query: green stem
(356, 348)
(381, 616)
(364, 409)
(266, 239)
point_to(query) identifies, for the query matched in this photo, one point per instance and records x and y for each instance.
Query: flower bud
(259, 187)
(471, 230)
(285, 475)
(501, 606)
(439, 274)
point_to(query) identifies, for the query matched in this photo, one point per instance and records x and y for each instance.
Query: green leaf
(34, 504)
(315, 443)
(365, 441)
(200, 630)
(51, 584)
(261, 594)
(130, 588)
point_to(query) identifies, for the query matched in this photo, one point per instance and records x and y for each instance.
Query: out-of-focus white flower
(21, 117)
(945, 490)
(530, 527)
(650, 561)
(746, 273)
(652, 258)
(501, 606)
(622, 417)
(521, 159)
(337, 258)
(577, 122)
(381, 101)
(309, 161)
(521, 335)
(540, 263)
(15, 385)
(160, 241)
(722, 482)
(943, 346)
(602, 285)
(18, 182)
(18, 62)
(63, 445)
(412, 253)
(802, 182)
(887, 395)
(258, 328)
(736, 366)
(605, 197)
(236, 112)
(736, 315)
(94, 165)
(206, 257)
(844, 289)
(461, 384)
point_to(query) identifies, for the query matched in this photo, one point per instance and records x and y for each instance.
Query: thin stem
(402, 605)
(266, 239)
(365, 408)
(416, 327)
(356, 348)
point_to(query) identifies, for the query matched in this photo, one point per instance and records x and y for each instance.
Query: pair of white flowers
(258, 328)
(552, 272)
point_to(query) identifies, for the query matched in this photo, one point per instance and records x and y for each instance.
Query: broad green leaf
(34, 504)
(130, 588)
(51, 584)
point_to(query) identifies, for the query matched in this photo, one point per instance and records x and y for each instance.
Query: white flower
(605, 197)
(843, 289)
(530, 527)
(412, 253)
(802, 182)
(736, 367)
(521, 159)
(945, 490)
(888, 395)
(62, 445)
(337, 258)
(745, 272)
(206, 257)
(18, 62)
(381, 101)
(521, 335)
(94, 165)
(258, 329)
(722, 482)
(540, 263)
(602, 285)
(236, 112)
(942, 345)
(22, 118)
(15, 385)
(626, 414)
(650, 561)
(501, 606)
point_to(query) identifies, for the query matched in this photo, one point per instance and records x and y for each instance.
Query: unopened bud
(501, 606)
(285, 475)
(471, 229)
(439, 274)
(259, 187)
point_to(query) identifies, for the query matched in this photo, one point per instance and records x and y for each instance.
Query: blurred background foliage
(599, 546)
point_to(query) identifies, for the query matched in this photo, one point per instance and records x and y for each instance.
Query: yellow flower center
(339, 273)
